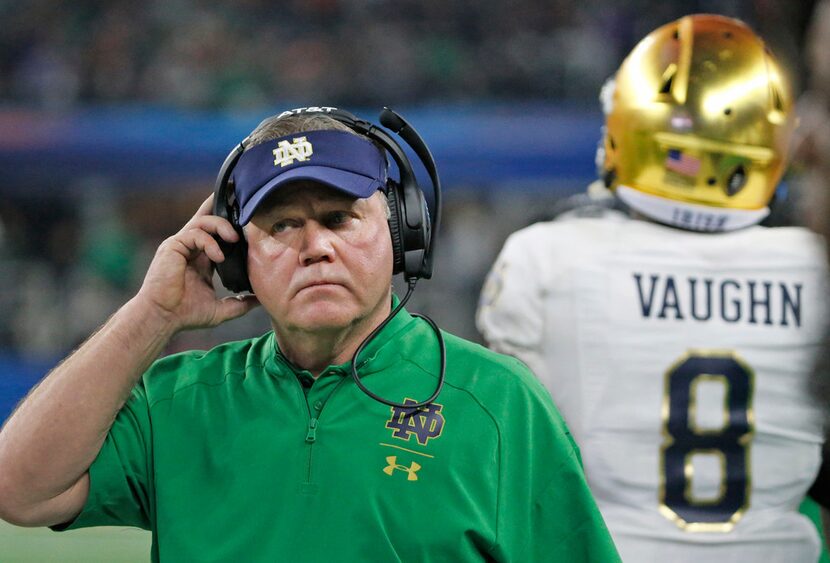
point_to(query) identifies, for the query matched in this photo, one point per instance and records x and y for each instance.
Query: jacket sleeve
(546, 511)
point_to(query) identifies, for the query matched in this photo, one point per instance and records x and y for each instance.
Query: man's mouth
(319, 283)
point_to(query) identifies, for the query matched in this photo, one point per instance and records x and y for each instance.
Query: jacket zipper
(311, 435)
(313, 423)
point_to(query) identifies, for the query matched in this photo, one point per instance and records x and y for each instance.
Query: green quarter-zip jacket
(236, 455)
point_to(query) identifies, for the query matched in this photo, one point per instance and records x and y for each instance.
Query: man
(677, 339)
(265, 449)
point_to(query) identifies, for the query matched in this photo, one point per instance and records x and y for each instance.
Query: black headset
(412, 228)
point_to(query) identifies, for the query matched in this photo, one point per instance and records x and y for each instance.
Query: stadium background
(115, 117)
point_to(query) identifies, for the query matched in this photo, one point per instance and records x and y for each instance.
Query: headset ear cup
(395, 219)
(233, 271)
(234, 267)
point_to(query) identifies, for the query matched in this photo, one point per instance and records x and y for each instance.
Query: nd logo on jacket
(425, 423)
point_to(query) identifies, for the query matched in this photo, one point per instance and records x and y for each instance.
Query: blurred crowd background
(76, 234)
(251, 53)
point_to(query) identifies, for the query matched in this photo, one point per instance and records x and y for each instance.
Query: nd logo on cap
(286, 153)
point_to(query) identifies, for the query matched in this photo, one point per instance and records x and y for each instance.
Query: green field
(94, 545)
(123, 545)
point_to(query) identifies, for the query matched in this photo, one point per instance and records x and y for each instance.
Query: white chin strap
(690, 216)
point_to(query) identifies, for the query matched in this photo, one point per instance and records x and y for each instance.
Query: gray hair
(275, 127)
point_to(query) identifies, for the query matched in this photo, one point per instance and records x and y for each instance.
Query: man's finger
(207, 206)
(235, 306)
(215, 225)
(193, 241)
(205, 209)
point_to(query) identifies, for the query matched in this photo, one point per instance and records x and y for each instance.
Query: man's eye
(280, 226)
(337, 218)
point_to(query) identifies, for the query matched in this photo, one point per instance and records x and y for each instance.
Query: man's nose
(316, 244)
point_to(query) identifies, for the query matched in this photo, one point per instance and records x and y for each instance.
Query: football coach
(350, 431)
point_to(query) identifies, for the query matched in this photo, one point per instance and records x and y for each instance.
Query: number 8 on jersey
(686, 439)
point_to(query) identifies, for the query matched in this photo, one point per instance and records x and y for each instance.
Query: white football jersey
(680, 362)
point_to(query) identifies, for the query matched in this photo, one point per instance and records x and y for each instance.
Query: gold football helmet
(698, 120)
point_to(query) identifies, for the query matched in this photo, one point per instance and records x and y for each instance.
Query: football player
(677, 339)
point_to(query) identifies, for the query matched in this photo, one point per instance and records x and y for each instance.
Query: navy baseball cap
(341, 160)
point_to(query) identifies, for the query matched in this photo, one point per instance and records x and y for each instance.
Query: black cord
(441, 347)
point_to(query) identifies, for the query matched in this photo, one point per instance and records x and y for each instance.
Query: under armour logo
(298, 149)
(426, 422)
(411, 471)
